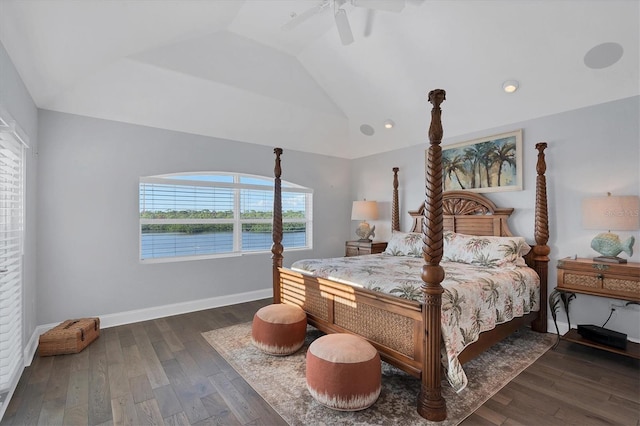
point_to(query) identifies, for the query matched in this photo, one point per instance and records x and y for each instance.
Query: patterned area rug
(281, 380)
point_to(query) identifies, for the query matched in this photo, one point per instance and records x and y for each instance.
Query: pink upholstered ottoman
(343, 372)
(279, 329)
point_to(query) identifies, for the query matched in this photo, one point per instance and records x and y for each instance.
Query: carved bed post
(431, 404)
(395, 208)
(541, 250)
(276, 248)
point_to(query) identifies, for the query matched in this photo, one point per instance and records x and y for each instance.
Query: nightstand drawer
(620, 281)
(352, 251)
(358, 248)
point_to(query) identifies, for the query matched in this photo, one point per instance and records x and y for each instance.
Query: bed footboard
(391, 324)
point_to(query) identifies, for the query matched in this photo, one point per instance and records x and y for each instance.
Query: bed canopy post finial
(395, 208)
(431, 404)
(541, 250)
(276, 248)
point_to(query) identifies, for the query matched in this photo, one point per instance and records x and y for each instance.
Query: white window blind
(11, 249)
(185, 216)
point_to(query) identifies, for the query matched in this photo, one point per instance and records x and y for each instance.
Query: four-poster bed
(407, 333)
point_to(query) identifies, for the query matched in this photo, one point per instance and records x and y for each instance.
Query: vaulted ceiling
(227, 68)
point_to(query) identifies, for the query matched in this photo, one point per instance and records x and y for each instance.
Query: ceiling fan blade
(384, 5)
(299, 19)
(344, 29)
(368, 25)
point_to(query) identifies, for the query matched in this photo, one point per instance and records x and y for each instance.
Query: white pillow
(484, 250)
(405, 244)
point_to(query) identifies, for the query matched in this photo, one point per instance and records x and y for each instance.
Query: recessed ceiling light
(510, 86)
(367, 130)
(603, 55)
(388, 123)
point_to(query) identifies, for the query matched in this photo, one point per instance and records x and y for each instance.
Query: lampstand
(365, 210)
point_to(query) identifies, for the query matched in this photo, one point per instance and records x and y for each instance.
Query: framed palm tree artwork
(489, 164)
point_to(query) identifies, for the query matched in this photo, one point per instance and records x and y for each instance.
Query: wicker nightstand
(616, 281)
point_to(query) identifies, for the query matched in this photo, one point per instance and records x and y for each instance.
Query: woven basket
(69, 337)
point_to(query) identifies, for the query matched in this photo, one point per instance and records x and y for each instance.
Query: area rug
(281, 380)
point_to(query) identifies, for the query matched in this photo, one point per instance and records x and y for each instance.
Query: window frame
(237, 186)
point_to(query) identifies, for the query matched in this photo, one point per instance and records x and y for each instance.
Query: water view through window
(179, 244)
(209, 214)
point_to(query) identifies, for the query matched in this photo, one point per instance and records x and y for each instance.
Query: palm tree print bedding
(477, 296)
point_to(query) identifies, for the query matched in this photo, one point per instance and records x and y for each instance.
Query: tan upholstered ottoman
(343, 372)
(279, 329)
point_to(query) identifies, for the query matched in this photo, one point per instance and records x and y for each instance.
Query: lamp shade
(613, 213)
(364, 210)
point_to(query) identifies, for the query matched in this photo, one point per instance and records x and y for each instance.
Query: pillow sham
(484, 250)
(405, 244)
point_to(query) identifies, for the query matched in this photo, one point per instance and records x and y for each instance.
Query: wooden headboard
(468, 213)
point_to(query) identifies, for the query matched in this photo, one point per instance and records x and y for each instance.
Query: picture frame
(488, 164)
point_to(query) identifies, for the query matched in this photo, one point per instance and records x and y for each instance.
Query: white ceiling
(225, 68)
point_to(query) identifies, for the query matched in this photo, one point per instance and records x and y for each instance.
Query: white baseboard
(32, 345)
(128, 317)
(112, 320)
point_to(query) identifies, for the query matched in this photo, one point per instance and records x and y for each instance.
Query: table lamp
(364, 210)
(613, 213)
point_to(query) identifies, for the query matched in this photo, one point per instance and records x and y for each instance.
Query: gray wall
(88, 215)
(591, 151)
(15, 98)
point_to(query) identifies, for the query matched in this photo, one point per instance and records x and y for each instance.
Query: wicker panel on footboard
(294, 290)
(391, 324)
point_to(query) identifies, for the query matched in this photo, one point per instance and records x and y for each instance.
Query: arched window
(187, 216)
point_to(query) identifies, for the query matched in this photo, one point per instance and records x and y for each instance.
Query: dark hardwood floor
(163, 372)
